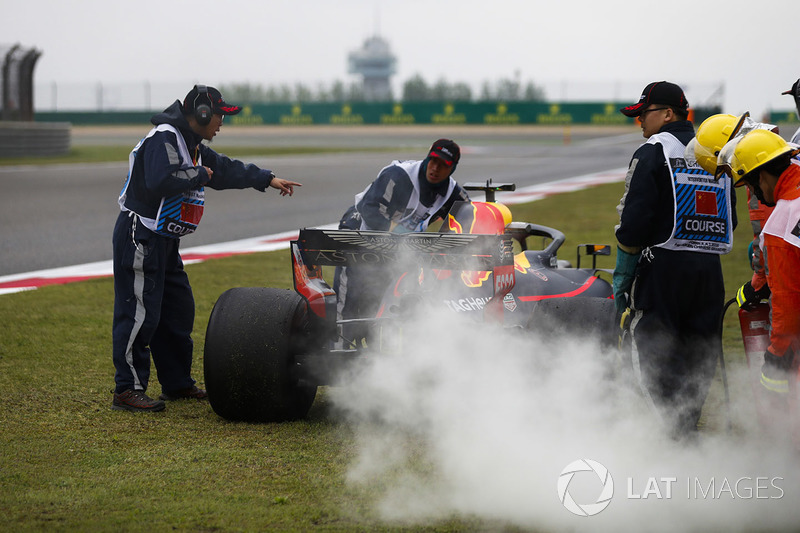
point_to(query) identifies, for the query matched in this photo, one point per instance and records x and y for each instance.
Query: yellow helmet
(755, 149)
(712, 135)
(746, 126)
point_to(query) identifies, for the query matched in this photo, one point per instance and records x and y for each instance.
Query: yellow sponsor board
(610, 116)
(449, 116)
(247, 118)
(397, 116)
(555, 116)
(502, 116)
(347, 117)
(296, 118)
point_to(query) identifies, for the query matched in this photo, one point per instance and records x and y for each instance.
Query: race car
(267, 349)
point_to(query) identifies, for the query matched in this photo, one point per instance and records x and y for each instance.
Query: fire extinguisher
(755, 324)
(755, 334)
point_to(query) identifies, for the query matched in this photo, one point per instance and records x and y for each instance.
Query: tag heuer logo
(509, 302)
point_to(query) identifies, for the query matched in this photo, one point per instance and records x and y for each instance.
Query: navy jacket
(389, 194)
(157, 170)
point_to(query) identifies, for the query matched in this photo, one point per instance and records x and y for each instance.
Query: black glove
(775, 371)
(747, 297)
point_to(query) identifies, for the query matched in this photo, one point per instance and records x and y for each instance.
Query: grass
(68, 462)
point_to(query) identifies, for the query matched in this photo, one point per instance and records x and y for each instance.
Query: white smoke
(470, 420)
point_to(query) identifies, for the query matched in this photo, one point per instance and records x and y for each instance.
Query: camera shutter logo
(586, 509)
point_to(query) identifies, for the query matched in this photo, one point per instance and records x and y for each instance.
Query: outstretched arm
(285, 186)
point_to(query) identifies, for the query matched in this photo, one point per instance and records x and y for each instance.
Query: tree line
(414, 89)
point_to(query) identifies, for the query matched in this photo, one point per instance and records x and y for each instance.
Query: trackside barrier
(23, 139)
(439, 113)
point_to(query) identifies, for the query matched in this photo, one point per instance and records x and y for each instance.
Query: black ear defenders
(202, 109)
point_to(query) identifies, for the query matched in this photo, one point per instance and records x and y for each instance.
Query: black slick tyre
(249, 365)
(586, 317)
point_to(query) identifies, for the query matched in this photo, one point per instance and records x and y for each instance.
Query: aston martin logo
(383, 242)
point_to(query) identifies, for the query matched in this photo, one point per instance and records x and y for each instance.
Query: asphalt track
(60, 215)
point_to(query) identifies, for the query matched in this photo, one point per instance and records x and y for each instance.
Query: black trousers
(359, 291)
(153, 309)
(678, 299)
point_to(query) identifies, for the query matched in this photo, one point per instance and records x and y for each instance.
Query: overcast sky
(612, 47)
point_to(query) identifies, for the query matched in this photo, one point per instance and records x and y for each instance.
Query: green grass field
(70, 463)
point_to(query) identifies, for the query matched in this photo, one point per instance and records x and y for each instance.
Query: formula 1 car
(267, 349)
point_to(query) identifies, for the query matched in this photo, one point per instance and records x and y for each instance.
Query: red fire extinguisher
(755, 325)
(755, 335)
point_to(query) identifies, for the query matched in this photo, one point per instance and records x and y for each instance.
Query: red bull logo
(486, 218)
(474, 278)
(481, 218)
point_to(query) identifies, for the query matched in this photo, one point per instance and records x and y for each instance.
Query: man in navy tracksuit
(675, 221)
(161, 201)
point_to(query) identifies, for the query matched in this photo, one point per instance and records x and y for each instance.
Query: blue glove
(622, 280)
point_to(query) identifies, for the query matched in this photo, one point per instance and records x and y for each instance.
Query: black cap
(447, 150)
(658, 92)
(213, 97)
(795, 90)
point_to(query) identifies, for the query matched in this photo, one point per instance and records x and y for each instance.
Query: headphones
(202, 111)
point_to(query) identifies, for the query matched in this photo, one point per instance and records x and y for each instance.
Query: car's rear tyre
(589, 317)
(249, 356)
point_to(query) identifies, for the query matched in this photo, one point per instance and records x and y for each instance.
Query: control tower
(375, 62)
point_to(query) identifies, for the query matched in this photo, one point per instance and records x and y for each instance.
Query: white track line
(55, 276)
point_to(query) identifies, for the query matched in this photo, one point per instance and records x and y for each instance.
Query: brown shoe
(192, 393)
(136, 400)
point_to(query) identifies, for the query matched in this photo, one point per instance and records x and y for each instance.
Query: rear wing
(450, 251)
(315, 248)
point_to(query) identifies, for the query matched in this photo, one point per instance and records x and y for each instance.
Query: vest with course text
(702, 203)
